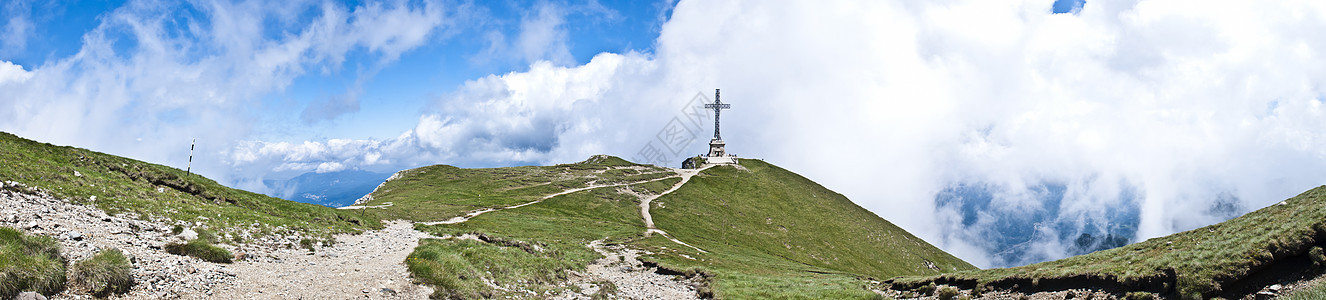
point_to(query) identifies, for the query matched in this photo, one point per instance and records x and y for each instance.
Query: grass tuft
(947, 293)
(1139, 296)
(606, 290)
(200, 249)
(462, 269)
(208, 235)
(1314, 292)
(29, 263)
(108, 272)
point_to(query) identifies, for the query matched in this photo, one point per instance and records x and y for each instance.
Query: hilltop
(1275, 246)
(737, 231)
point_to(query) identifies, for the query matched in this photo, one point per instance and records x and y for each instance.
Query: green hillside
(121, 185)
(1230, 259)
(774, 227)
(767, 232)
(440, 192)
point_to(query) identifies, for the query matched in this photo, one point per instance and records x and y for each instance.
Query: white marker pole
(189, 169)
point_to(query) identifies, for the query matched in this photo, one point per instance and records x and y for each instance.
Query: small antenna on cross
(189, 169)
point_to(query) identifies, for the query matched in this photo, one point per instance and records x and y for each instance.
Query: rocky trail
(621, 270)
(366, 266)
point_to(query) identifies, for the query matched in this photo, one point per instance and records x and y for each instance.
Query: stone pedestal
(717, 148)
(718, 153)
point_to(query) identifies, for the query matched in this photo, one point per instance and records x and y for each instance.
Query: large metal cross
(718, 106)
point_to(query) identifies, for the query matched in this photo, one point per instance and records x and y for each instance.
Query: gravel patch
(631, 279)
(83, 230)
(370, 265)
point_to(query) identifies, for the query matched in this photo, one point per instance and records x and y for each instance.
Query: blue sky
(464, 51)
(1143, 111)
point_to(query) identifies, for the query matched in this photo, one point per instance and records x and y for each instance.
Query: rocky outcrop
(369, 197)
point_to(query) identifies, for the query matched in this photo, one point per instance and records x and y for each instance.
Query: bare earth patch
(369, 265)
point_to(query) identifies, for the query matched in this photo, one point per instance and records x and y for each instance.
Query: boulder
(188, 234)
(74, 235)
(30, 296)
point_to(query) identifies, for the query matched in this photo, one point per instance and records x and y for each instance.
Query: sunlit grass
(121, 185)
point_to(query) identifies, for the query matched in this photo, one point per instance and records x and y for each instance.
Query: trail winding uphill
(472, 214)
(645, 201)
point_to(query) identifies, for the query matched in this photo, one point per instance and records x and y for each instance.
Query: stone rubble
(367, 266)
(274, 266)
(85, 230)
(633, 280)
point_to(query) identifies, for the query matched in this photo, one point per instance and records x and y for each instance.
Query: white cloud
(543, 35)
(162, 72)
(12, 73)
(891, 102)
(529, 117)
(17, 29)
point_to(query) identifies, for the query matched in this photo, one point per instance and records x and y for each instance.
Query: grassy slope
(123, 185)
(833, 243)
(1200, 263)
(440, 192)
(768, 227)
(561, 225)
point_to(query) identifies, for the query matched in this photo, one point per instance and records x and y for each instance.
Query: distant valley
(331, 189)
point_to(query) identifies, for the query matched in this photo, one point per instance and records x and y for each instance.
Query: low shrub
(1318, 257)
(307, 244)
(108, 272)
(201, 249)
(926, 290)
(29, 263)
(947, 293)
(606, 290)
(1139, 296)
(208, 235)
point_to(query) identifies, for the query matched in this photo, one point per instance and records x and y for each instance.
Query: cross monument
(718, 107)
(717, 148)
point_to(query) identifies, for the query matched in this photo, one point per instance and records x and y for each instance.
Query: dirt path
(686, 175)
(369, 265)
(476, 213)
(645, 201)
(384, 205)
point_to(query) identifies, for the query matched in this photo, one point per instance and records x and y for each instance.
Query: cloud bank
(1128, 118)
